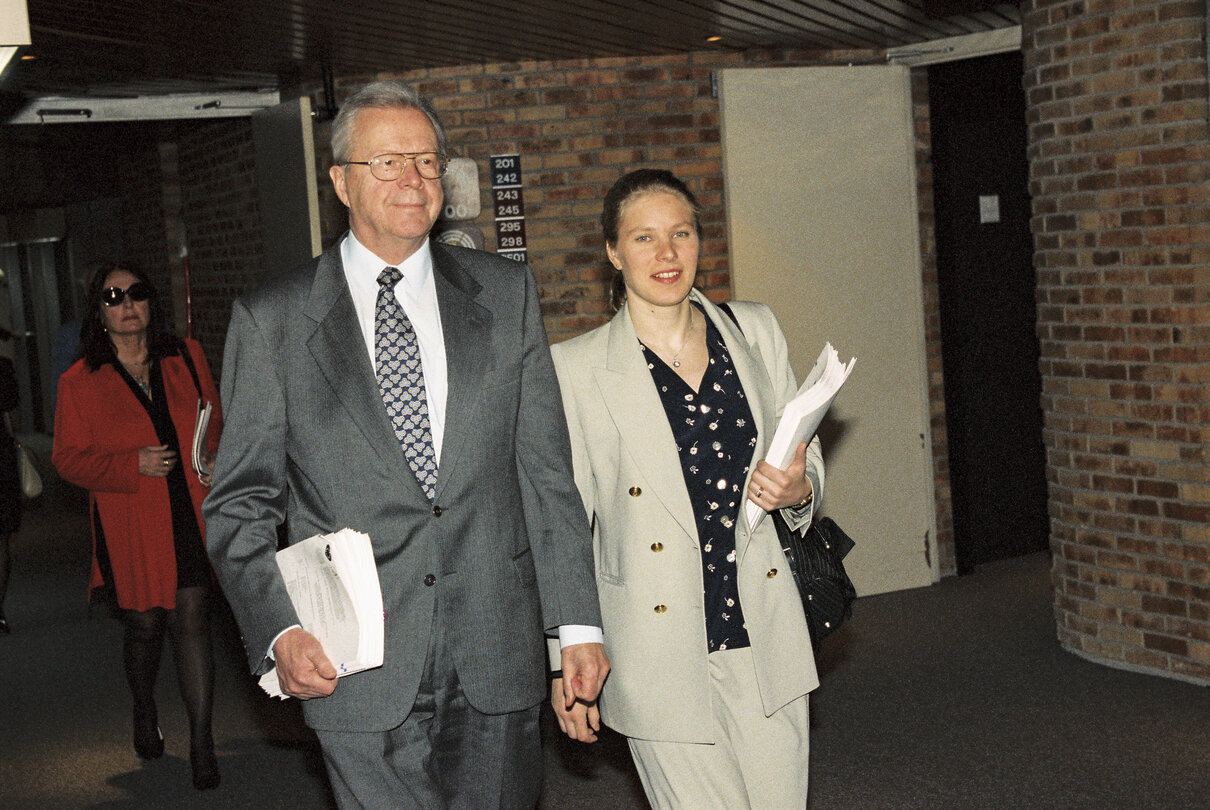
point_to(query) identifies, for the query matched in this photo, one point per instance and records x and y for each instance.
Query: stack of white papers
(333, 582)
(200, 426)
(802, 415)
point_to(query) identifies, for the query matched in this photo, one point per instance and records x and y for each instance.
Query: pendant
(676, 363)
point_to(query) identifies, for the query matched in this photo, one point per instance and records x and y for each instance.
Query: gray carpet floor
(954, 696)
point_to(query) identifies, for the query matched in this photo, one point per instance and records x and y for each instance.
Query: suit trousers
(755, 763)
(445, 754)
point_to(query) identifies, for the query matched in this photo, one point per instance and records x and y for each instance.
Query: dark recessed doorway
(988, 316)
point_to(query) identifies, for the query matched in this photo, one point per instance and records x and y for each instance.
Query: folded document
(201, 426)
(802, 415)
(333, 581)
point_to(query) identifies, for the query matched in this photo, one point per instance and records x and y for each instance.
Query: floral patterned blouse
(715, 438)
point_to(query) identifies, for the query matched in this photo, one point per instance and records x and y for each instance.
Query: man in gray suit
(404, 388)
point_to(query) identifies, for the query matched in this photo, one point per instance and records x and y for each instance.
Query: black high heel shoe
(148, 739)
(205, 769)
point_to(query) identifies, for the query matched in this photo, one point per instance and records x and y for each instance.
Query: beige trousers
(757, 762)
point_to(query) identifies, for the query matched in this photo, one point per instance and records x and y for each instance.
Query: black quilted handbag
(817, 563)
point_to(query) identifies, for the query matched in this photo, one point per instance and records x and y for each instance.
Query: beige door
(820, 181)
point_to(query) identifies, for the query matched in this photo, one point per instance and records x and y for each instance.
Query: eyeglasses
(139, 291)
(429, 165)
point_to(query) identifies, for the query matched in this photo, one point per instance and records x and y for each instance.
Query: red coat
(99, 427)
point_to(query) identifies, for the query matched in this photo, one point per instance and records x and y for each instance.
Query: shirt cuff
(579, 634)
(269, 654)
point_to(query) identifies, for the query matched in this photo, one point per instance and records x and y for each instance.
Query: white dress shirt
(416, 292)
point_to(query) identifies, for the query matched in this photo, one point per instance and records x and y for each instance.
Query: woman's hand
(156, 462)
(208, 463)
(582, 721)
(771, 488)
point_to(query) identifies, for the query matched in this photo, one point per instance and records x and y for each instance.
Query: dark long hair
(631, 184)
(95, 345)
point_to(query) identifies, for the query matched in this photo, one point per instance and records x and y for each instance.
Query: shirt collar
(416, 268)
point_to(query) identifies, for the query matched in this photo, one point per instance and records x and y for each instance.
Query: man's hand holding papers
(301, 667)
(333, 582)
(803, 414)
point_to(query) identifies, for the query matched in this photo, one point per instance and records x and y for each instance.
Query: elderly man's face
(392, 218)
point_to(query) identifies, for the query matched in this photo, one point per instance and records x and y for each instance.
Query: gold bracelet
(804, 501)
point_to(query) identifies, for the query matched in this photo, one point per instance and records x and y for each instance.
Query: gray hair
(380, 95)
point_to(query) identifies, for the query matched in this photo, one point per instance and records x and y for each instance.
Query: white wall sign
(461, 187)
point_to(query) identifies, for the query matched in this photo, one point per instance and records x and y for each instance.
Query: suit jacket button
(436, 511)
(772, 573)
(635, 492)
(657, 546)
(660, 608)
(429, 580)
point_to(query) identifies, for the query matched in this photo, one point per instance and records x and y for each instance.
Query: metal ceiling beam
(93, 109)
(951, 49)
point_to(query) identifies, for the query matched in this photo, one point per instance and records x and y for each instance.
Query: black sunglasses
(139, 291)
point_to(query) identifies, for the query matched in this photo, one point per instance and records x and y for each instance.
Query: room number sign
(509, 205)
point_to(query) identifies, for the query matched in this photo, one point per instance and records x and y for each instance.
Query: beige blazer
(648, 562)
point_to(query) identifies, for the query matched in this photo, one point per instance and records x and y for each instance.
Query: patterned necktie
(401, 381)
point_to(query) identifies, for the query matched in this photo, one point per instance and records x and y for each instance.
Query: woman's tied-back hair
(380, 95)
(95, 346)
(627, 187)
(643, 181)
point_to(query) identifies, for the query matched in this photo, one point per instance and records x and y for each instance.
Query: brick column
(1119, 149)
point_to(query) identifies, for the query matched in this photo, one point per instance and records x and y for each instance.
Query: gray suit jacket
(645, 535)
(502, 554)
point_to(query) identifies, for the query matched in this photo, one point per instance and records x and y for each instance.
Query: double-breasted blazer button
(436, 510)
(772, 573)
(660, 608)
(657, 546)
(635, 492)
(430, 580)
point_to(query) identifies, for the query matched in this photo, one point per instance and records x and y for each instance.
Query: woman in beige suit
(670, 407)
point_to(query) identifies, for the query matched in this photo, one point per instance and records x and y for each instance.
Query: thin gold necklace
(676, 356)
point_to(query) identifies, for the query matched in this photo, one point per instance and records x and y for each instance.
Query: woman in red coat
(124, 424)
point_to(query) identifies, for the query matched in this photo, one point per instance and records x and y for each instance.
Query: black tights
(189, 627)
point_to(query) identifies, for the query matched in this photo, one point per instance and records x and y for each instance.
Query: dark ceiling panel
(147, 47)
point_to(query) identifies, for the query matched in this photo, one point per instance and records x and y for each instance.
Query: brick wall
(221, 216)
(1119, 149)
(143, 223)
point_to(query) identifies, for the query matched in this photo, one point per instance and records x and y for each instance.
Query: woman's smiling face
(657, 248)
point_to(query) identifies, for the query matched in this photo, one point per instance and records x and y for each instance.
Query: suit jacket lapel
(466, 326)
(635, 407)
(339, 350)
